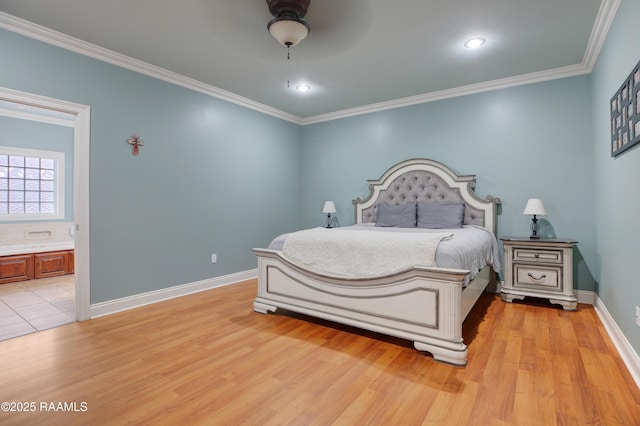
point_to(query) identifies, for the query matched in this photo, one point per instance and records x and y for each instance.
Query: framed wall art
(625, 114)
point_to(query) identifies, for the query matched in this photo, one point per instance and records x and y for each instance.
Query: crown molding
(604, 19)
(503, 83)
(56, 38)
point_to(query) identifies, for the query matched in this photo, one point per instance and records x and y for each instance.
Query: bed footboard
(424, 305)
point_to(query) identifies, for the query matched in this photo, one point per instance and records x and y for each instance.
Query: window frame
(58, 184)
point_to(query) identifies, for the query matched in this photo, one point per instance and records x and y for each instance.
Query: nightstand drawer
(535, 255)
(548, 279)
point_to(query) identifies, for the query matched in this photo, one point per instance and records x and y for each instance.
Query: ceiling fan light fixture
(288, 32)
(287, 25)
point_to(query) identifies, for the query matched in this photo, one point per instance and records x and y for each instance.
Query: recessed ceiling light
(303, 88)
(474, 42)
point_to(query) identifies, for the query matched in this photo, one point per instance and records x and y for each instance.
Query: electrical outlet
(638, 316)
(214, 258)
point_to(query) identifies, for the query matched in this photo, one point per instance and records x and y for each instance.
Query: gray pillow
(440, 215)
(399, 215)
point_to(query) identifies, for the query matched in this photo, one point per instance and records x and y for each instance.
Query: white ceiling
(359, 54)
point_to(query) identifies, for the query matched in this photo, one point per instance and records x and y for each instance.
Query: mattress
(470, 247)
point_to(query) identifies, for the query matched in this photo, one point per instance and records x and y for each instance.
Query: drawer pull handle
(536, 255)
(537, 279)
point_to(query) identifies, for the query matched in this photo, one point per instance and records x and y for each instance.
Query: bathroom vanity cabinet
(22, 267)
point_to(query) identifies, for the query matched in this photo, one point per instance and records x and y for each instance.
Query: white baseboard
(585, 296)
(135, 301)
(627, 353)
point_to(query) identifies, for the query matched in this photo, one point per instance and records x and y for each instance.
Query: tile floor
(30, 306)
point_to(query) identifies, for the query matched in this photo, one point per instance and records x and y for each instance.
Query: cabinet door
(50, 264)
(16, 268)
(70, 262)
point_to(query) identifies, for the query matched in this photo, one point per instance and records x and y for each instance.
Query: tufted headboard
(427, 180)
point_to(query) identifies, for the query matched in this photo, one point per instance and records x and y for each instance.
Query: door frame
(81, 145)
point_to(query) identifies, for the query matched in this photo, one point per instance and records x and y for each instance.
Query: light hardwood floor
(209, 359)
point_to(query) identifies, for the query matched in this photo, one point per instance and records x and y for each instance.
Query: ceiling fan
(287, 25)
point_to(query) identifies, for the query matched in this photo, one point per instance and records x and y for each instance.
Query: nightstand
(539, 268)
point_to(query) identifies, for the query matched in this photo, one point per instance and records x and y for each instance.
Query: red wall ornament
(136, 142)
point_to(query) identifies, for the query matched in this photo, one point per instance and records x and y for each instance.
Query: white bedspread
(471, 247)
(360, 253)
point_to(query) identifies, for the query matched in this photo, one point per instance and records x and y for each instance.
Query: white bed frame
(425, 305)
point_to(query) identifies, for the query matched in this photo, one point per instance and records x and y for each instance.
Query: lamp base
(534, 229)
(329, 220)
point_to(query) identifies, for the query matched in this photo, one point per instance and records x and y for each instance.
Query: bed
(423, 304)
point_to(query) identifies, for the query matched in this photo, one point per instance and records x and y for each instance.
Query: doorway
(79, 116)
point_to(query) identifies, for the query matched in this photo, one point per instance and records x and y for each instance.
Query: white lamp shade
(329, 207)
(535, 206)
(288, 31)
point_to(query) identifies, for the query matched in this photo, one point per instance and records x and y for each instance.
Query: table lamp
(329, 208)
(535, 207)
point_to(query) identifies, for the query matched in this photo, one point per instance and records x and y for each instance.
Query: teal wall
(20, 133)
(212, 177)
(531, 141)
(617, 179)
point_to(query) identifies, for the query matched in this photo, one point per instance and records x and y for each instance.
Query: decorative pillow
(440, 215)
(399, 215)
